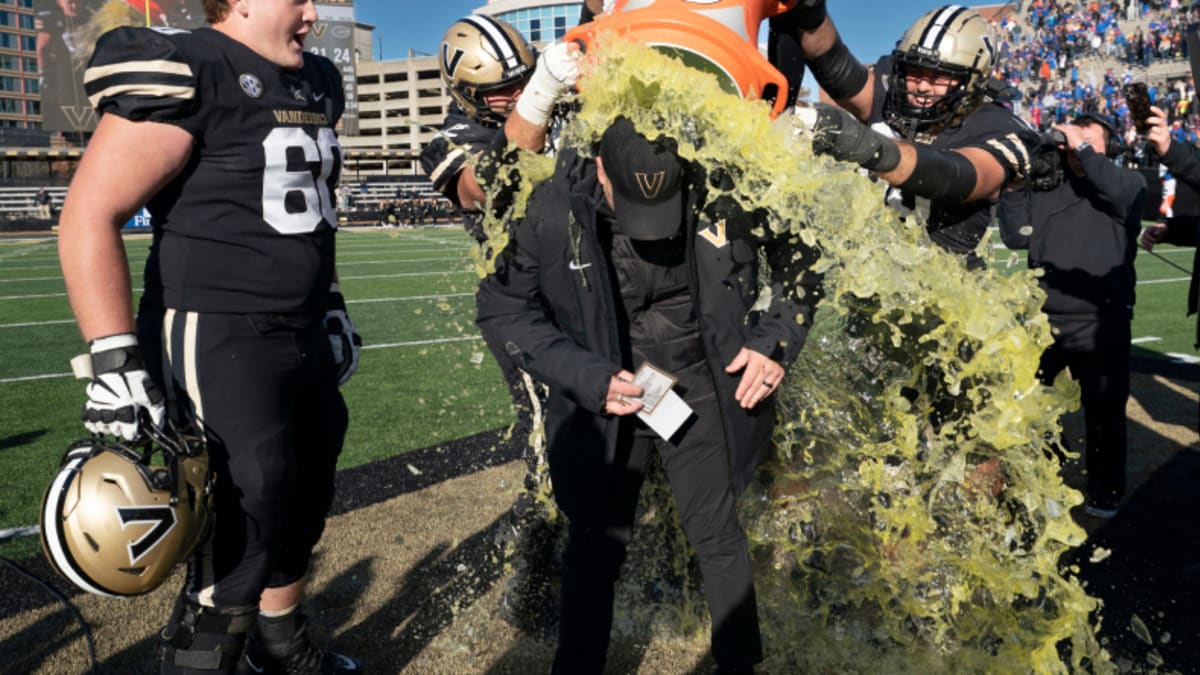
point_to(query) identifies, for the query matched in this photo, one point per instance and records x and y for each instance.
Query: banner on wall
(67, 31)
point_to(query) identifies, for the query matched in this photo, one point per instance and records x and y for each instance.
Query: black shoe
(282, 646)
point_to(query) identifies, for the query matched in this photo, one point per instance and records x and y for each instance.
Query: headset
(1114, 145)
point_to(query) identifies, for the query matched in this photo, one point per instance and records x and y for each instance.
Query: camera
(1046, 161)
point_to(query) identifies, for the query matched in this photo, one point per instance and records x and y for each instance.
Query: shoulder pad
(141, 74)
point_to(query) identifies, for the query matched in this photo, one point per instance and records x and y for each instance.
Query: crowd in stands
(1067, 57)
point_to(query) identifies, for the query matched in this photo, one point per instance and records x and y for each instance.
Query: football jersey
(958, 226)
(444, 157)
(248, 225)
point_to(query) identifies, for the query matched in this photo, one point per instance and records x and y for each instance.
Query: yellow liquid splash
(913, 515)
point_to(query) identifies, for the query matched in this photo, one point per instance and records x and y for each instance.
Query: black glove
(343, 337)
(839, 134)
(120, 388)
(804, 15)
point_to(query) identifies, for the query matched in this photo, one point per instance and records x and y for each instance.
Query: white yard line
(1144, 340)
(436, 296)
(30, 297)
(28, 324)
(401, 298)
(15, 532)
(389, 345)
(418, 343)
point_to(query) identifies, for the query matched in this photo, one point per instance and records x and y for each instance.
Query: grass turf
(424, 377)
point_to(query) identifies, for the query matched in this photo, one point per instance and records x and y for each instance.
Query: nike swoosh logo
(576, 266)
(317, 98)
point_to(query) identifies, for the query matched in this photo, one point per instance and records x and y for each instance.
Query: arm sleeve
(1015, 216)
(1123, 189)
(1183, 231)
(1183, 161)
(444, 157)
(511, 311)
(141, 75)
(795, 289)
(1012, 150)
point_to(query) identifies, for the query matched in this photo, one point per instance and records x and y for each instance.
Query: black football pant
(697, 469)
(263, 390)
(1097, 354)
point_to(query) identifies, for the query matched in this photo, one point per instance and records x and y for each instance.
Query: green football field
(425, 376)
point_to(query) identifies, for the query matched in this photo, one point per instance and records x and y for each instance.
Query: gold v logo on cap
(650, 183)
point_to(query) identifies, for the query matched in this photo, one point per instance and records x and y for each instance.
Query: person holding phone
(1183, 162)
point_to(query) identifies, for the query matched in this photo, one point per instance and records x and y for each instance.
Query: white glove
(555, 75)
(120, 389)
(344, 340)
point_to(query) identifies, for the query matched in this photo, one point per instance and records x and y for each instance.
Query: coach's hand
(760, 376)
(343, 337)
(120, 388)
(552, 79)
(622, 395)
(837, 133)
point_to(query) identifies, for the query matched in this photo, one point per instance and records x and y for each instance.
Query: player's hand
(120, 389)
(838, 133)
(343, 337)
(804, 15)
(622, 395)
(555, 76)
(760, 376)
(1152, 235)
(1159, 135)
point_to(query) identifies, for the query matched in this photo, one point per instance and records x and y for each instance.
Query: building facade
(401, 103)
(20, 84)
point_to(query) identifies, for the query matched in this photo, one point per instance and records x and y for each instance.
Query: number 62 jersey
(248, 225)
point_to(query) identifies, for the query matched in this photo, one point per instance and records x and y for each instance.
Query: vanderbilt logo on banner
(650, 183)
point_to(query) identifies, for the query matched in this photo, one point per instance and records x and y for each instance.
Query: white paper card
(662, 409)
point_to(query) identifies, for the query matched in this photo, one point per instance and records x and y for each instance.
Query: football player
(921, 119)
(226, 134)
(503, 94)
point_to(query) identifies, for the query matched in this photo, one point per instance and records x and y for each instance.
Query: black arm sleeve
(1015, 216)
(1123, 189)
(511, 311)
(1183, 161)
(941, 175)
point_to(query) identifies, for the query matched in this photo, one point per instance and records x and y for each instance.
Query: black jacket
(1183, 161)
(553, 303)
(1083, 235)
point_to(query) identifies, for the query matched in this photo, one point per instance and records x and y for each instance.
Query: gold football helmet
(114, 523)
(955, 42)
(481, 54)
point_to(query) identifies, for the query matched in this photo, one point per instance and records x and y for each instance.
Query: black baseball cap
(647, 182)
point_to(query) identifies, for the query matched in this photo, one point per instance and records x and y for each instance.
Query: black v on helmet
(955, 42)
(116, 522)
(481, 54)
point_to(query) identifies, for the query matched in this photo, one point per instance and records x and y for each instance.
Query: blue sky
(869, 27)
